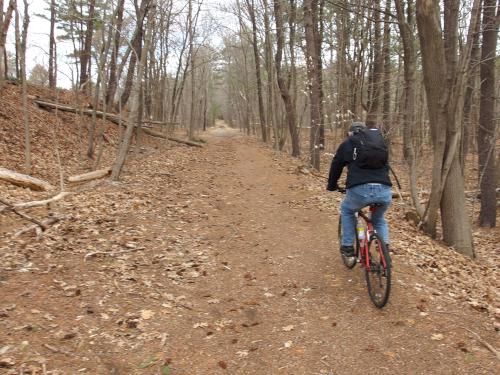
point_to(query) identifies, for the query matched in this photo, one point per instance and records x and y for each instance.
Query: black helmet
(357, 126)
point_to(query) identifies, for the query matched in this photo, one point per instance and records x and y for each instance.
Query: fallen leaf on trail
(437, 337)
(288, 328)
(390, 354)
(200, 325)
(222, 364)
(288, 344)
(7, 362)
(242, 353)
(148, 363)
(213, 300)
(165, 370)
(147, 314)
(268, 295)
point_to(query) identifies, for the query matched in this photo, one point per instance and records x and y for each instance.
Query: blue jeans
(358, 197)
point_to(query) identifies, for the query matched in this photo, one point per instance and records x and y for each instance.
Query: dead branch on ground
(24, 180)
(24, 216)
(46, 223)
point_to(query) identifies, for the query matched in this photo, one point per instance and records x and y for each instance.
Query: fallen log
(89, 112)
(24, 180)
(23, 206)
(152, 133)
(115, 119)
(94, 175)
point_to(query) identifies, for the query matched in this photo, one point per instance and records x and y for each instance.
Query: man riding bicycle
(365, 154)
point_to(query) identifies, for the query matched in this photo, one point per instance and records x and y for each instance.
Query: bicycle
(372, 255)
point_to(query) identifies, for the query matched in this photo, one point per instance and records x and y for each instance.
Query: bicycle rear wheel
(349, 262)
(378, 276)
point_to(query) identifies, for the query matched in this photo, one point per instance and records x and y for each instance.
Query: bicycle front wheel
(378, 274)
(349, 262)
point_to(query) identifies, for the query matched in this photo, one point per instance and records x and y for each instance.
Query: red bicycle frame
(363, 244)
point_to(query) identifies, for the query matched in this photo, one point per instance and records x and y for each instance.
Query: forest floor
(224, 260)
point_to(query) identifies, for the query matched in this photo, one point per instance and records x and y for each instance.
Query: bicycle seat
(375, 205)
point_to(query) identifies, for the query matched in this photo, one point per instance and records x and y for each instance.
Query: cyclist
(365, 154)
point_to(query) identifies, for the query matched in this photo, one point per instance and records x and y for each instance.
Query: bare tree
(5, 18)
(486, 131)
(135, 115)
(444, 78)
(256, 54)
(313, 62)
(86, 53)
(22, 43)
(290, 110)
(113, 77)
(52, 47)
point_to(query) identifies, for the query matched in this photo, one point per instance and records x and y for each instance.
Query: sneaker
(347, 251)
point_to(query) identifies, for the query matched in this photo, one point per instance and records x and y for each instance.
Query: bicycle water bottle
(360, 229)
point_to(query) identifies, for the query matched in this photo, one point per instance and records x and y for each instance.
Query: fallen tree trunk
(152, 133)
(24, 180)
(115, 119)
(90, 175)
(23, 206)
(89, 112)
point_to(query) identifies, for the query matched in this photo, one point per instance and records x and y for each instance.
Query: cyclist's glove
(332, 187)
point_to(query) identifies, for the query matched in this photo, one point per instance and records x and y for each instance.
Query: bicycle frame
(363, 244)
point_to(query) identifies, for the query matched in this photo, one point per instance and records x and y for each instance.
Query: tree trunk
(137, 47)
(386, 56)
(23, 43)
(262, 116)
(377, 70)
(406, 29)
(113, 78)
(86, 53)
(52, 47)
(193, 82)
(486, 136)
(444, 89)
(5, 19)
(290, 110)
(271, 107)
(313, 75)
(134, 112)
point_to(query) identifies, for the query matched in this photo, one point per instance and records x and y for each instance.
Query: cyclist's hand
(332, 188)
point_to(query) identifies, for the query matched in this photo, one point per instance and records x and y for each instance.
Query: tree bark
(262, 116)
(486, 136)
(313, 63)
(86, 53)
(377, 70)
(5, 19)
(113, 77)
(137, 47)
(52, 47)
(134, 112)
(24, 180)
(27, 135)
(444, 89)
(406, 29)
(290, 110)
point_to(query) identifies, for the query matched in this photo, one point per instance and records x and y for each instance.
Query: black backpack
(369, 149)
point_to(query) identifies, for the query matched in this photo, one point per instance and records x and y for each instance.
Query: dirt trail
(229, 271)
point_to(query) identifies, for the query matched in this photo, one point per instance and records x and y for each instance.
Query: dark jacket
(355, 174)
